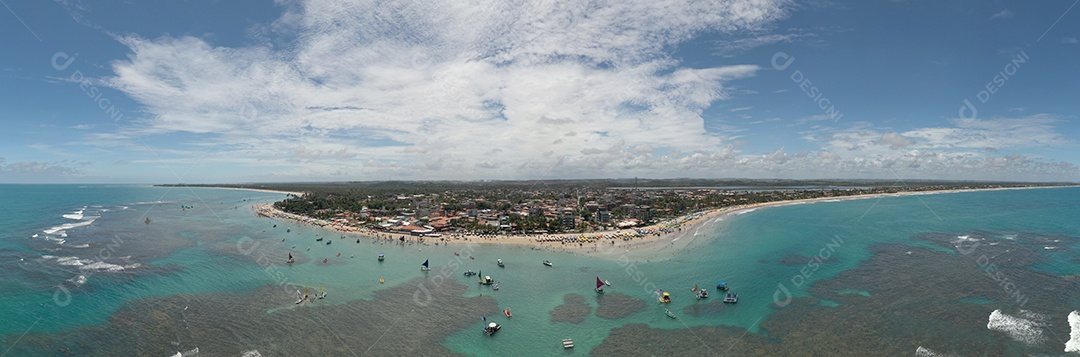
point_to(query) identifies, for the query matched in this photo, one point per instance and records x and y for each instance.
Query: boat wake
(1027, 327)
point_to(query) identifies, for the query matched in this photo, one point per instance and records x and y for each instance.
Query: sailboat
(300, 299)
(322, 293)
(599, 286)
(424, 266)
(291, 260)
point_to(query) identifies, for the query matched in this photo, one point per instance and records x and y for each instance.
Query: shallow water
(890, 271)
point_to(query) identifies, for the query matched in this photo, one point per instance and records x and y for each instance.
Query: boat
(669, 313)
(567, 343)
(424, 267)
(328, 242)
(492, 328)
(486, 280)
(694, 289)
(318, 239)
(501, 263)
(665, 297)
(291, 260)
(548, 263)
(731, 298)
(721, 286)
(322, 293)
(299, 298)
(599, 286)
(469, 273)
(507, 313)
(703, 293)
(495, 286)
(382, 256)
(147, 220)
(607, 282)
(381, 280)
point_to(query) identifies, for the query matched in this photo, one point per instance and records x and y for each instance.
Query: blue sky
(242, 91)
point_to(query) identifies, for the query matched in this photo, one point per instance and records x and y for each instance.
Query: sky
(330, 90)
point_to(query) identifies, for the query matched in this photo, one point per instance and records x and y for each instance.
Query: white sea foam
(1073, 345)
(252, 353)
(78, 280)
(66, 226)
(746, 211)
(1026, 328)
(103, 266)
(77, 215)
(926, 352)
(84, 245)
(34, 236)
(69, 261)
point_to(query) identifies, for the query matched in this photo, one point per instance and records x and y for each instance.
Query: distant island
(555, 206)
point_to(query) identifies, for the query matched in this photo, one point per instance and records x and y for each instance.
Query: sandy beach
(657, 241)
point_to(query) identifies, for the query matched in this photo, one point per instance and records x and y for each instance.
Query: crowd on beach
(626, 234)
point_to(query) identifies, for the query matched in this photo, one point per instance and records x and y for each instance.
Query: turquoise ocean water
(80, 262)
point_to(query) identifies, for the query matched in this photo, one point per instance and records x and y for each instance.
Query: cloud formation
(515, 90)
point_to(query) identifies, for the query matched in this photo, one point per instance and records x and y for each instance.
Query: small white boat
(501, 263)
(548, 263)
(607, 282)
(567, 343)
(495, 286)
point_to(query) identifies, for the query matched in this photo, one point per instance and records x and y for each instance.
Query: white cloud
(1070, 40)
(435, 86)
(1001, 15)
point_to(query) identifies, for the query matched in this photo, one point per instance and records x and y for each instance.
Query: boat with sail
(322, 293)
(599, 286)
(424, 267)
(301, 298)
(290, 260)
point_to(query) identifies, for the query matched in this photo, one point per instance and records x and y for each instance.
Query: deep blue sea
(140, 270)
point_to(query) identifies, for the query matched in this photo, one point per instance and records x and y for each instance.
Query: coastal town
(537, 211)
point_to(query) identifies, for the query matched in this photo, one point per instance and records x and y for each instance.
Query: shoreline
(635, 244)
(247, 189)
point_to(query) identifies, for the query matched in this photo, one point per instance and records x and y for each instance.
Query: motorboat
(547, 262)
(501, 265)
(495, 286)
(486, 280)
(507, 313)
(669, 313)
(469, 273)
(492, 328)
(731, 298)
(382, 256)
(703, 293)
(567, 343)
(721, 286)
(665, 297)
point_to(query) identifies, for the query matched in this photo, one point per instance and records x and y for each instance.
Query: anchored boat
(548, 263)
